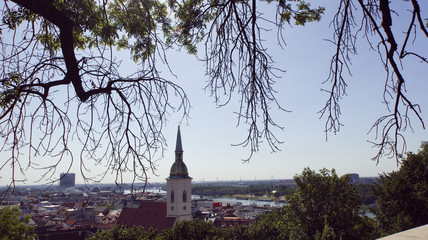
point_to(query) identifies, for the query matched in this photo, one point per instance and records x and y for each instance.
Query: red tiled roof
(70, 222)
(107, 226)
(68, 204)
(148, 214)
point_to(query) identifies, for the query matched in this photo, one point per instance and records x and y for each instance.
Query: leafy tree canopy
(402, 196)
(196, 229)
(60, 81)
(125, 233)
(326, 206)
(12, 228)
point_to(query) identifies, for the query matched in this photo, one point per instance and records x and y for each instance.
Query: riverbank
(244, 200)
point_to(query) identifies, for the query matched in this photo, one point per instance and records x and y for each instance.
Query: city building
(177, 207)
(179, 187)
(355, 179)
(67, 180)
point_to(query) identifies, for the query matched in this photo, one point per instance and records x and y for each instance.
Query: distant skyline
(208, 135)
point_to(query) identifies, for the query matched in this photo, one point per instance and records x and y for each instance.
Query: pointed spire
(178, 146)
(178, 168)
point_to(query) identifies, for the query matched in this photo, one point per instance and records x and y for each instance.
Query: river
(224, 200)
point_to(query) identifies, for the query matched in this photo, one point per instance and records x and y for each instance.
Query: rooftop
(417, 233)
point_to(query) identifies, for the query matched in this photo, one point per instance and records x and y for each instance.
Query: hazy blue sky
(208, 135)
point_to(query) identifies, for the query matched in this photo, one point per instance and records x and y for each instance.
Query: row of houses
(80, 219)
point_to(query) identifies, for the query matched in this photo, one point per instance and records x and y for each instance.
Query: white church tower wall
(179, 187)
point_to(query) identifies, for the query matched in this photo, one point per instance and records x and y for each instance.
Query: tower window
(172, 196)
(184, 196)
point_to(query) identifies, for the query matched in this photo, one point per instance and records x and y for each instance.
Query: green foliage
(402, 196)
(214, 190)
(186, 230)
(328, 232)
(193, 16)
(133, 24)
(300, 11)
(236, 233)
(49, 39)
(253, 189)
(11, 228)
(9, 89)
(139, 20)
(324, 206)
(201, 230)
(125, 233)
(197, 229)
(125, 24)
(275, 225)
(283, 190)
(192, 21)
(14, 18)
(365, 193)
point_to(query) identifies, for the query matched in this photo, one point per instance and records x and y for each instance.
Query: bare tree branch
(118, 120)
(392, 142)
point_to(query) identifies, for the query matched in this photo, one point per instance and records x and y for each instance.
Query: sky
(211, 131)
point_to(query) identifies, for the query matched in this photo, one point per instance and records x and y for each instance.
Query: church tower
(178, 186)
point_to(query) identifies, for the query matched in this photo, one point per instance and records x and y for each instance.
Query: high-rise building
(354, 177)
(67, 180)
